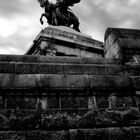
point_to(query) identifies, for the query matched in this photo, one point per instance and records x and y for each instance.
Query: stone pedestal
(64, 41)
(122, 43)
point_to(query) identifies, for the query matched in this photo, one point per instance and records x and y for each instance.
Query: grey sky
(19, 20)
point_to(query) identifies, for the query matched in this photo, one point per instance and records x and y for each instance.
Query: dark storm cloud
(19, 20)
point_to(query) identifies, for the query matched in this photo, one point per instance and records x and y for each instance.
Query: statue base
(64, 41)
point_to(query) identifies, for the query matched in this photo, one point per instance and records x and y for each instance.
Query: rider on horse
(59, 14)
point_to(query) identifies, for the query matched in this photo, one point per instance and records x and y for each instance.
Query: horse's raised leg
(41, 18)
(73, 20)
(76, 25)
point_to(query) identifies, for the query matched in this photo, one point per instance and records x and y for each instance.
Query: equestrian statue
(59, 14)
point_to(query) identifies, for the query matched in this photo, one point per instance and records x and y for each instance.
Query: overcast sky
(19, 20)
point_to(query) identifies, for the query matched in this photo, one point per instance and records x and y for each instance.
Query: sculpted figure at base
(59, 14)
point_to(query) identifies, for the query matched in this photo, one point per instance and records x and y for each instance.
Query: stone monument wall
(122, 43)
(64, 41)
(67, 98)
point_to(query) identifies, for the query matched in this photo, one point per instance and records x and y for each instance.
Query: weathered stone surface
(74, 102)
(2, 102)
(102, 102)
(7, 67)
(95, 118)
(31, 120)
(62, 69)
(123, 133)
(55, 68)
(49, 81)
(54, 102)
(69, 102)
(60, 42)
(133, 69)
(12, 135)
(48, 135)
(57, 59)
(28, 103)
(19, 119)
(136, 82)
(122, 43)
(118, 102)
(104, 134)
(115, 69)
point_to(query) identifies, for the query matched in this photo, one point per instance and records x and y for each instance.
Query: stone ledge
(58, 68)
(68, 82)
(57, 59)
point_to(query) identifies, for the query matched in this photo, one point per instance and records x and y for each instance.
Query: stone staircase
(68, 98)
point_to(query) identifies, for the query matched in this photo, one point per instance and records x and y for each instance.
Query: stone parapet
(122, 43)
(60, 98)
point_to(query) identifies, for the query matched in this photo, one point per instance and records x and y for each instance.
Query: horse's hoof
(41, 22)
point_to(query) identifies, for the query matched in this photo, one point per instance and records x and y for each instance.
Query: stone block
(47, 135)
(12, 135)
(136, 81)
(7, 67)
(63, 42)
(19, 119)
(78, 69)
(101, 134)
(36, 68)
(33, 135)
(49, 81)
(115, 69)
(102, 102)
(12, 102)
(121, 93)
(92, 103)
(27, 103)
(133, 70)
(74, 103)
(17, 102)
(118, 102)
(18, 58)
(57, 59)
(2, 102)
(53, 102)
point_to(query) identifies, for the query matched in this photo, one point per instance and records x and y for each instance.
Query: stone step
(56, 59)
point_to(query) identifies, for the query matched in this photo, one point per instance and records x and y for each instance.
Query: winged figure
(59, 14)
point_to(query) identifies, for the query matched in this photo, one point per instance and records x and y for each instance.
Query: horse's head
(43, 3)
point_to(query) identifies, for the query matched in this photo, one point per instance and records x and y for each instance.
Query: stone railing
(61, 98)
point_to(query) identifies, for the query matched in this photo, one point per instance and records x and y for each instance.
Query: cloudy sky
(19, 20)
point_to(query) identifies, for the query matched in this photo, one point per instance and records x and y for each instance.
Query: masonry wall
(122, 43)
(61, 98)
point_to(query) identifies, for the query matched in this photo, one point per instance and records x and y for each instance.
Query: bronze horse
(59, 14)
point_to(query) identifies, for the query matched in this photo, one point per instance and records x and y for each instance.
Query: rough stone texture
(58, 41)
(40, 120)
(68, 98)
(124, 133)
(122, 43)
(71, 82)
(12, 135)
